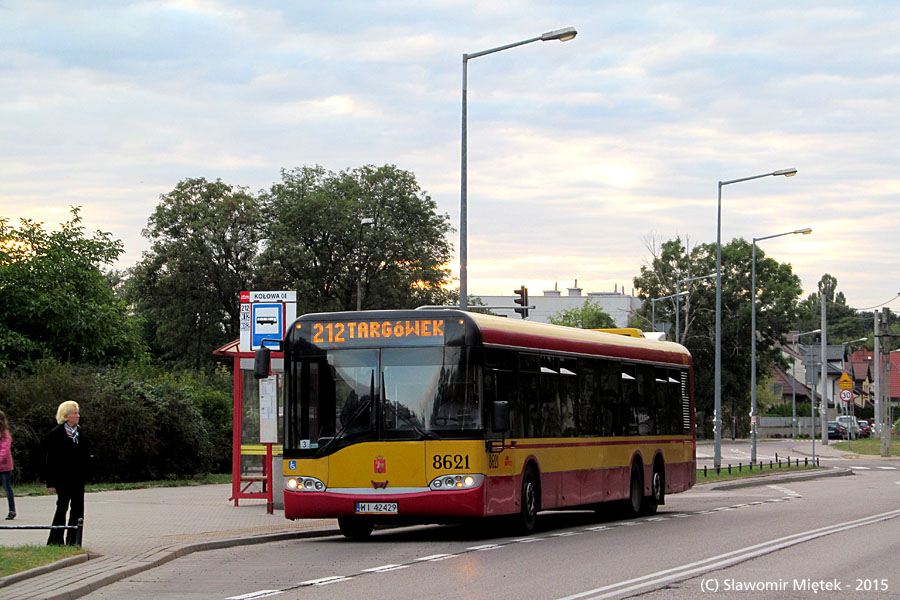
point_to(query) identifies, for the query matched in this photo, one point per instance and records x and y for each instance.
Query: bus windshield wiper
(353, 417)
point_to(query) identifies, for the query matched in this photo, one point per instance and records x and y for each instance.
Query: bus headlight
(456, 482)
(304, 484)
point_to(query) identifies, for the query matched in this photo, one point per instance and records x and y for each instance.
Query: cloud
(576, 150)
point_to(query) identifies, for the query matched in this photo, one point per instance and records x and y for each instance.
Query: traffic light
(522, 292)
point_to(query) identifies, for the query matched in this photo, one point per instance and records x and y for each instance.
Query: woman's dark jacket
(67, 463)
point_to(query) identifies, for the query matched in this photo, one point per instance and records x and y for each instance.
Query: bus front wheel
(529, 503)
(355, 528)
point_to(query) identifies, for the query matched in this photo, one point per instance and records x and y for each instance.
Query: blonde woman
(6, 465)
(66, 470)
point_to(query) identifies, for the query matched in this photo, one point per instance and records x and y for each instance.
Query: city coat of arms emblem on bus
(380, 465)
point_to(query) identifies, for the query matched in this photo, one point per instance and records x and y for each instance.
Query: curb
(43, 569)
(163, 556)
(780, 478)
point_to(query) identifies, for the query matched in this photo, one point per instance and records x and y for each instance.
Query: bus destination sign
(411, 332)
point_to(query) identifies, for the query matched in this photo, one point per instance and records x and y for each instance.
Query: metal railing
(760, 465)
(79, 533)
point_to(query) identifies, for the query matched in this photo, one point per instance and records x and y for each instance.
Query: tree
(587, 316)
(316, 241)
(672, 261)
(204, 243)
(56, 301)
(777, 292)
(844, 323)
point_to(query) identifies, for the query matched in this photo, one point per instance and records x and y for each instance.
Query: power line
(882, 304)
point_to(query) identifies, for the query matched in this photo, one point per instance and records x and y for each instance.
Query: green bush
(143, 422)
(786, 409)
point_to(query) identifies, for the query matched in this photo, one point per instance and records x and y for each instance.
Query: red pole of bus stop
(270, 505)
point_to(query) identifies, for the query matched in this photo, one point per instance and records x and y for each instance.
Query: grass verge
(723, 475)
(39, 489)
(870, 446)
(15, 559)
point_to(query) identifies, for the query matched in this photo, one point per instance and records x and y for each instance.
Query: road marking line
(324, 580)
(860, 468)
(259, 594)
(384, 569)
(530, 539)
(888, 468)
(565, 534)
(484, 547)
(435, 557)
(725, 560)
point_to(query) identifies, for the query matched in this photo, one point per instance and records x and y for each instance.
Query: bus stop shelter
(257, 435)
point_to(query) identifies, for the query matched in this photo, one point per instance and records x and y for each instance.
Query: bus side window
(568, 396)
(645, 399)
(629, 401)
(549, 398)
(500, 375)
(588, 409)
(530, 394)
(614, 410)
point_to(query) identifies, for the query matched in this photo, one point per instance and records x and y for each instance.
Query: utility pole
(823, 407)
(877, 359)
(884, 415)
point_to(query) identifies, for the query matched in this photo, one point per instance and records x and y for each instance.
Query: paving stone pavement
(129, 531)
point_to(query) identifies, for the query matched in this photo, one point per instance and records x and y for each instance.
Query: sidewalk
(804, 447)
(130, 531)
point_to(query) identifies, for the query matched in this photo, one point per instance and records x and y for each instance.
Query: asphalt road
(787, 540)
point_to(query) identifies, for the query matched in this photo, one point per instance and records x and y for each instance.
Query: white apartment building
(619, 305)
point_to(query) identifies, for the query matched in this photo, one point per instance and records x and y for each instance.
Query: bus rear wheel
(636, 492)
(355, 528)
(657, 490)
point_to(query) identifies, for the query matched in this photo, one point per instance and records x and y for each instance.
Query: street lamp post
(653, 302)
(678, 304)
(753, 417)
(563, 35)
(717, 417)
(794, 392)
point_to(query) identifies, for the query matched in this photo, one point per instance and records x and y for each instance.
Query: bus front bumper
(456, 504)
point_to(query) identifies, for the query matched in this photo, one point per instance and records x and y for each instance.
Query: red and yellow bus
(430, 416)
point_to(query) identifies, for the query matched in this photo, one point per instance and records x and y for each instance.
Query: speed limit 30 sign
(846, 395)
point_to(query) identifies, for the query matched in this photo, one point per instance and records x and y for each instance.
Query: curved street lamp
(717, 409)
(653, 302)
(563, 35)
(753, 424)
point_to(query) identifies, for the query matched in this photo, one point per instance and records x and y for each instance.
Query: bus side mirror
(261, 363)
(500, 416)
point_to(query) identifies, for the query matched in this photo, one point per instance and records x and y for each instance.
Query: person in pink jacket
(6, 465)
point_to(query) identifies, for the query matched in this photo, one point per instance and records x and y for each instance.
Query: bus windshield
(350, 395)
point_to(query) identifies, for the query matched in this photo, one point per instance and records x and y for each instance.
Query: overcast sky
(578, 153)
